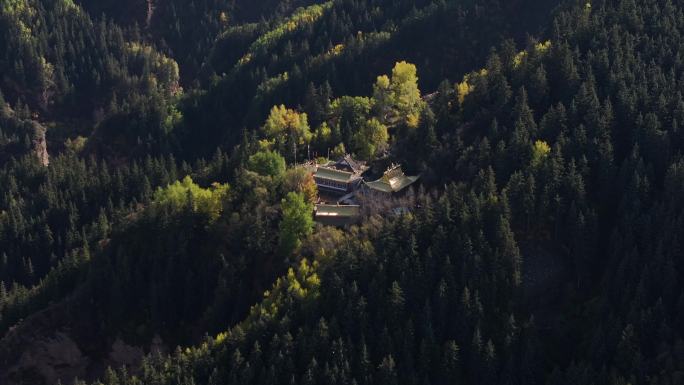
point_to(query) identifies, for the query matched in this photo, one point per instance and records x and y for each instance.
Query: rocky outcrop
(60, 344)
(150, 13)
(46, 360)
(124, 355)
(40, 143)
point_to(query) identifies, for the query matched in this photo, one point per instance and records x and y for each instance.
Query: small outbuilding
(337, 215)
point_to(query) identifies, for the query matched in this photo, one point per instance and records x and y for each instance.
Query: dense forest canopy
(157, 195)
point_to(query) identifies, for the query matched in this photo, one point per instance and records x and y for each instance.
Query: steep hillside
(186, 30)
(577, 140)
(541, 245)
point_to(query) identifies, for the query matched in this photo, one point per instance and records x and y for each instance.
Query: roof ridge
(336, 170)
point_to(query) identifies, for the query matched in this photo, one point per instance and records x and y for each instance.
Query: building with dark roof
(342, 176)
(347, 163)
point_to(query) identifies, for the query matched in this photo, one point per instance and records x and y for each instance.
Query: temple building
(330, 179)
(392, 181)
(342, 176)
(342, 189)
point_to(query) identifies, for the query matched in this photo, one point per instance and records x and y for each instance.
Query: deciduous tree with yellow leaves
(397, 99)
(287, 130)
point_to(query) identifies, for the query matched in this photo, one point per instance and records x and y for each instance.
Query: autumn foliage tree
(397, 99)
(370, 139)
(300, 180)
(287, 131)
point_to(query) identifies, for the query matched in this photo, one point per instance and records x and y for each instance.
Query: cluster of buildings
(339, 183)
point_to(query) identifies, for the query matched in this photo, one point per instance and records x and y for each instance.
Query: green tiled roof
(337, 210)
(332, 174)
(392, 182)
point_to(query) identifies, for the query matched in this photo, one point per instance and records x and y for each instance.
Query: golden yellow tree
(287, 130)
(398, 100)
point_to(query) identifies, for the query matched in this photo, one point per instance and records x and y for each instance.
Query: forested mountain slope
(320, 49)
(185, 29)
(113, 108)
(176, 215)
